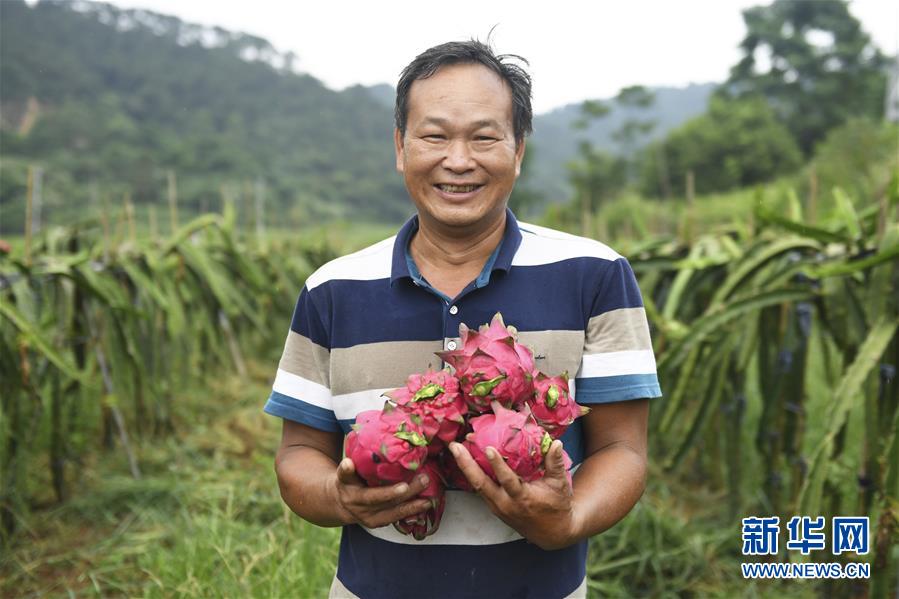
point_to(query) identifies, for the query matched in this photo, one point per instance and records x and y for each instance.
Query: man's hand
(541, 511)
(374, 507)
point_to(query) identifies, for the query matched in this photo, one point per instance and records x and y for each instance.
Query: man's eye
(484, 138)
(435, 136)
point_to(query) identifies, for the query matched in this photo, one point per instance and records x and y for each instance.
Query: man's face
(458, 157)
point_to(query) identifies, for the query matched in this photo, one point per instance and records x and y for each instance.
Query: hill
(107, 101)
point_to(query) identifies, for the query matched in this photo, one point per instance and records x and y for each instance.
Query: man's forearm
(607, 485)
(306, 476)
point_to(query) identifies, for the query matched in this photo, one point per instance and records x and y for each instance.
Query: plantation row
(777, 349)
(775, 339)
(97, 342)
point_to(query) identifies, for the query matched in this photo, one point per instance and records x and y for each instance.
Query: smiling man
(364, 322)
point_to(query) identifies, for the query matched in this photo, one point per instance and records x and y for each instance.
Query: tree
(813, 63)
(735, 143)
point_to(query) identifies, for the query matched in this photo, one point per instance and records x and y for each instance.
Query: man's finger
(346, 473)
(505, 475)
(477, 478)
(394, 494)
(555, 461)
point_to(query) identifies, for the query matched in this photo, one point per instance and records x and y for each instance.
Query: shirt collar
(501, 259)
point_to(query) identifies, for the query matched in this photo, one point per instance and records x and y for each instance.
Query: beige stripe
(619, 330)
(338, 591)
(304, 358)
(561, 350)
(384, 365)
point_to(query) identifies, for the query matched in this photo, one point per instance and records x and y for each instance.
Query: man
(364, 322)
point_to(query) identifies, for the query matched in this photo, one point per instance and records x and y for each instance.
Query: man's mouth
(457, 188)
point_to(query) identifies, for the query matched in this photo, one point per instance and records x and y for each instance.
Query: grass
(206, 520)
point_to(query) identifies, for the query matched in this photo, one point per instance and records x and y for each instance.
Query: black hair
(428, 62)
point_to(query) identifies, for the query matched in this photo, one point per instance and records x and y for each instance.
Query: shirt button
(451, 345)
(454, 310)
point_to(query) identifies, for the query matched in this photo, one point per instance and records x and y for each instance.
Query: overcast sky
(577, 50)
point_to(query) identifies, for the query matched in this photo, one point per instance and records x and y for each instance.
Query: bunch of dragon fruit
(493, 397)
(492, 366)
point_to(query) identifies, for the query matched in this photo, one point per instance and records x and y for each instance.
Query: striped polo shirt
(366, 321)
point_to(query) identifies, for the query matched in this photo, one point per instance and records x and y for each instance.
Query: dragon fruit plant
(434, 398)
(552, 404)
(492, 366)
(387, 446)
(426, 523)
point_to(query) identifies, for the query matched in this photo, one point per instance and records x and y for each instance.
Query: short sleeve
(302, 390)
(618, 362)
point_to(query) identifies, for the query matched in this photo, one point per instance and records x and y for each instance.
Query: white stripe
(297, 387)
(466, 521)
(373, 262)
(347, 405)
(540, 245)
(617, 363)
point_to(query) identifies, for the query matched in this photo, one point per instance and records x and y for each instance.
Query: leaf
(846, 396)
(753, 262)
(707, 324)
(40, 342)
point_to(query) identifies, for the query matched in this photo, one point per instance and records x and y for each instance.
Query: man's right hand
(374, 507)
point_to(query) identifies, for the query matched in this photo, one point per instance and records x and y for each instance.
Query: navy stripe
(307, 320)
(373, 568)
(533, 298)
(605, 389)
(287, 407)
(618, 289)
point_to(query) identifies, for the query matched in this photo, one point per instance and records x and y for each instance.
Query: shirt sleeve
(618, 362)
(302, 389)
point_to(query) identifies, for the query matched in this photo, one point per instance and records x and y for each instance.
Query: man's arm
(326, 493)
(607, 484)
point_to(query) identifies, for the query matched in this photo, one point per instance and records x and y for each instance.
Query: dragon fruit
(452, 474)
(387, 446)
(435, 398)
(552, 404)
(492, 366)
(515, 435)
(426, 523)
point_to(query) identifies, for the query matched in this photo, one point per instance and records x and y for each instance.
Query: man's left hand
(541, 511)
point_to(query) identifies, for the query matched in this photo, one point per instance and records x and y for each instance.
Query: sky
(576, 50)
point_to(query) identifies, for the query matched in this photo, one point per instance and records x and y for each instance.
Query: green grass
(206, 520)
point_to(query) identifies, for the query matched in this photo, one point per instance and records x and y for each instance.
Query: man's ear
(398, 146)
(519, 156)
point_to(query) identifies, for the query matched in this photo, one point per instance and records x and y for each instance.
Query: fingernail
(491, 453)
(423, 479)
(454, 449)
(402, 488)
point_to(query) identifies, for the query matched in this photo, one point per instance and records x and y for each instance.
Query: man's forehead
(485, 96)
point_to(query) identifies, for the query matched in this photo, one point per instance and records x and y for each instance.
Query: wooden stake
(154, 228)
(812, 209)
(129, 214)
(28, 200)
(173, 200)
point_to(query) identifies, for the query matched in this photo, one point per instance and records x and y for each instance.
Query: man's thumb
(555, 460)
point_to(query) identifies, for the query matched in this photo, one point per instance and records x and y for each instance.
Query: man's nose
(458, 157)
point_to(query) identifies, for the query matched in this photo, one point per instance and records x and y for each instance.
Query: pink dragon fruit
(387, 446)
(434, 397)
(552, 404)
(492, 366)
(515, 435)
(452, 474)
(426, 523)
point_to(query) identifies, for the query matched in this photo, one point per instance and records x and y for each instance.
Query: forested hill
(118, 97)
(107, 101)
